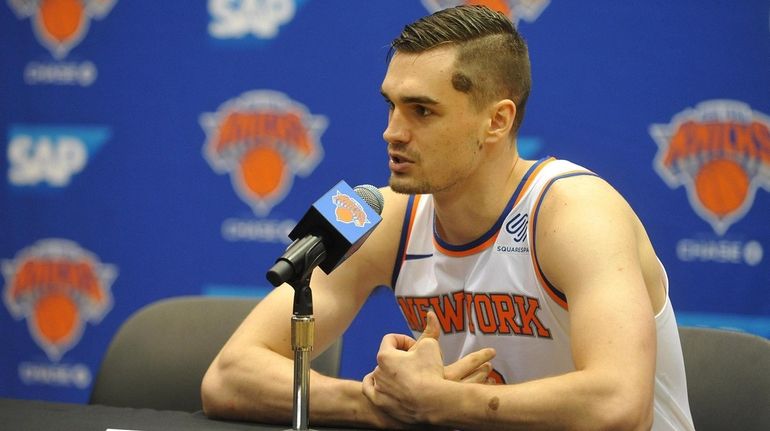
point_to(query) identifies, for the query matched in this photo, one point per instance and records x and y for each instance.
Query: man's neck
(463, 216)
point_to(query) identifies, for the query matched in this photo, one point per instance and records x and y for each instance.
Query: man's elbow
(214, 394)
(626, 413)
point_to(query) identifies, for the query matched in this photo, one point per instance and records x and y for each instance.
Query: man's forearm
(260, 389)
(575, 400)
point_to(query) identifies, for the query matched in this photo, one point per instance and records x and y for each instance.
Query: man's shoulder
(395, 203)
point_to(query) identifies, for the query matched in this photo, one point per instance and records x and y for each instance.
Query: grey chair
(159, 355)
(728, 379)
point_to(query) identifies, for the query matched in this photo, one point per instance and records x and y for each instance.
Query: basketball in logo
(60, 25)
(516, 10)
(722, 186)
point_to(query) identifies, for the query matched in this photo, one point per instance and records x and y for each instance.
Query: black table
(23, 415)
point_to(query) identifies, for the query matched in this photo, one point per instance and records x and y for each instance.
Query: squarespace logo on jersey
(262, 139)
(720, 152)
(516, 10)
(57, 286)
(256, 19)
(60, 25)
(48, 156)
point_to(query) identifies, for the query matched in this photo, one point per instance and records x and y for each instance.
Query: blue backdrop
(155, 149)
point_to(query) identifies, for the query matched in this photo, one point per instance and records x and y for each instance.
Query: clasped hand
(409, 372)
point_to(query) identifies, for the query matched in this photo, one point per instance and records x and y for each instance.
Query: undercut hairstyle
(492, 58)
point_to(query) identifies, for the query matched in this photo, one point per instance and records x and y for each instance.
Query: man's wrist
(433, 407)
(342, 402)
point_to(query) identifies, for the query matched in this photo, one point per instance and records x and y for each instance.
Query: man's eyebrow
(423, 100)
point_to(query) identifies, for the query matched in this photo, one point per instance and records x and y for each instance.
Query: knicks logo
(516, 10)
(348, 210)
(57, 286)
(720, 152)
(262, 139)
(60, 25)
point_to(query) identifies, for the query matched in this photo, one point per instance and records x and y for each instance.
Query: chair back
(159, 355)
(728, 379)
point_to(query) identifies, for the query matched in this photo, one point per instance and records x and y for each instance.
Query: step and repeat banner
(152, 149)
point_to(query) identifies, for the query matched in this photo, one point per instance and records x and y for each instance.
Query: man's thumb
(432, 328)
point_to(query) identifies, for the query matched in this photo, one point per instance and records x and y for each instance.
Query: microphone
(332, 229)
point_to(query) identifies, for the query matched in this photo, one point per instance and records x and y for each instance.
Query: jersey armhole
(406, 230)
(554, 293)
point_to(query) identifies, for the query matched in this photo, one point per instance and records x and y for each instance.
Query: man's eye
(390, 104)
(422, 111)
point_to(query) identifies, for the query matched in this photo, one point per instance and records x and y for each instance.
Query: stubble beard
(404, 186)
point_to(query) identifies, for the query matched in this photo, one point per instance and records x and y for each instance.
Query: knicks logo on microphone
(348, 210)
(262, 139)
(60, 25)
(720, 152)
(57, 286)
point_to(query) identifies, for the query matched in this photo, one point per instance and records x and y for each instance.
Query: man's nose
(396, 132)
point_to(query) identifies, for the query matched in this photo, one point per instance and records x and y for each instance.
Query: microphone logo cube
(343, 219)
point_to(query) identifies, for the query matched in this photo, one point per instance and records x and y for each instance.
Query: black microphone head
(371, 195)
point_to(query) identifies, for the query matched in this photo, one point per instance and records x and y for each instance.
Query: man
(540, 298)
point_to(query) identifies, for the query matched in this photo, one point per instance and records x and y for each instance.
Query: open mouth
(398, 159)
(399, 164)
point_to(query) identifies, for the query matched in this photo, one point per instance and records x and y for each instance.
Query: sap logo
(57, 286)
(234, 19)
(516, 10)
(720, 152)
(262, 139)
(50, 155)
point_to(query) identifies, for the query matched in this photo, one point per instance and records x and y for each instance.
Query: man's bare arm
(252, 377)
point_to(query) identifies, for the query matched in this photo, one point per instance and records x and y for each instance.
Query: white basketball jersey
(491, 293)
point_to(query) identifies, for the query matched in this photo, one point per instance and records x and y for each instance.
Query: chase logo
(61, 25)
(517, 227)
(720, 152)
(57, 286)
(348, 210)
(236, 19)
(49, 156)
(262, 139)
(516, 10)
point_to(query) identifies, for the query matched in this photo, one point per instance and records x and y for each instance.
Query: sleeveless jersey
(491, 293)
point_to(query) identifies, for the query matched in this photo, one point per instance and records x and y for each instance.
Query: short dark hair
(492, 60)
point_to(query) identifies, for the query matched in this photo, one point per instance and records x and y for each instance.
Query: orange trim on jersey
(557, 296)
(531, 179)
(481, 247)
(491, 240)
(409, 225)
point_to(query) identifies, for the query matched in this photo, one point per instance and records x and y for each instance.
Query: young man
(541, 302)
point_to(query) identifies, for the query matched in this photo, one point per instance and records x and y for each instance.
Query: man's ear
(501, 117)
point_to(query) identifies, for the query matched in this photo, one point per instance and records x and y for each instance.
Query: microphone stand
(302, 330)
(309, 252)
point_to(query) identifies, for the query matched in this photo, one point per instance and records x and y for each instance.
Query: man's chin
(407, 187)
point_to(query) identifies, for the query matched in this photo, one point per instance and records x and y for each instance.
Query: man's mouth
(399, 163)
(398, 158)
